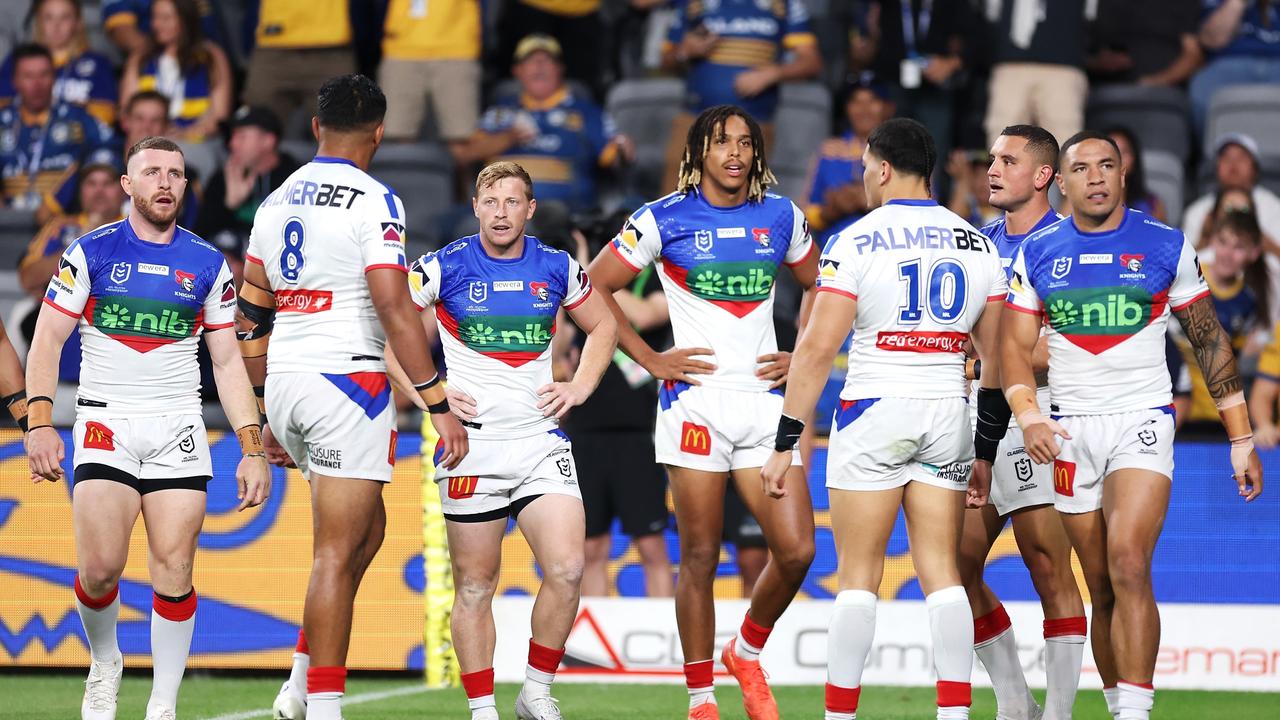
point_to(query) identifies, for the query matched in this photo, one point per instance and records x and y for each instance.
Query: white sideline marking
(349, 700)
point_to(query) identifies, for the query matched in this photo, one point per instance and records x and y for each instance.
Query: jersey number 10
(944, 296)
(291, 258)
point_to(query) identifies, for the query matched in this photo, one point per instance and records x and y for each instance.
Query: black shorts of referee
(619, 479)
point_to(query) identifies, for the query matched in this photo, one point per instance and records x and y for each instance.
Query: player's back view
(325, 277)
(915, 282)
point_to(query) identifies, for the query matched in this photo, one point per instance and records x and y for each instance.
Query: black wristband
(37, 427)
(993, 423)
(977, 369)
(11, 399)
(260, 391)
(439, 408)
(39, 398)
(435, 380)
(22, 423)
(789, 430)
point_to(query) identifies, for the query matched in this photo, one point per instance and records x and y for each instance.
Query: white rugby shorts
(145, 453)
(714, 429)
(885, 443)
(498, 478)
(340, 425)
(1103, 444)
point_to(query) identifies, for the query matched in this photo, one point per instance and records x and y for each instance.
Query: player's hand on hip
(1247, 470)
(253, 476)
(1041, 440)
(678, 364)
(462, 404)
(276, 454)
(774, 368)
(453, 437)
(979, 485)
(45, 454)
(774, 474)
(556, 398)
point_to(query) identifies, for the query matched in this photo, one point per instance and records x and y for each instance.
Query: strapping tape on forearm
(258, 312)
(17, 404)
(973, 368)
(993, 422)
(1235, 416)
(250, 437)
(39, 411)
(1023, 404)
(789, 431)
(432, 393)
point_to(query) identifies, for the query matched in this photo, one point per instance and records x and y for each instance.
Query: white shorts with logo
(714, 429)
(335, 424)
(498, 478)
(885, 443)
(145, 453)
(1017, 481)
(1103, 444)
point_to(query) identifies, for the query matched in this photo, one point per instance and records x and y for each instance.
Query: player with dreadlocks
(718, 242)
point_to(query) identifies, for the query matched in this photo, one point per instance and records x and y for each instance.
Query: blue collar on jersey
(132, 236)
(332, 160)
(913, 203)
(1118, 229)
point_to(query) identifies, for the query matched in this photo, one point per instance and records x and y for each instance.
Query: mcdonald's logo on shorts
(462, 487)
(1064, 477)
(391, 451)
(98, 437)
(695, 439)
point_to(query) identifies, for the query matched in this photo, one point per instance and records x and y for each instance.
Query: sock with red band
(99, 616)
(698, 678)
(996, 647)
(325, 688)
(1063, 653)
(842, 703)
(173, 620)
(1134, 700)
(479, 688)
(1111, 695)
(751, 639)
(541, 670)
(954, 699)
(849, 636)
(951, 628)
(301, 662)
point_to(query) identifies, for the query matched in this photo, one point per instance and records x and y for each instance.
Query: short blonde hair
(493, 172)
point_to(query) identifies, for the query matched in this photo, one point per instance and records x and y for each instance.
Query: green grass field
(205, 697)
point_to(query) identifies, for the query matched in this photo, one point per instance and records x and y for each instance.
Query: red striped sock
(329, 679)
(174, 609)
(95, 603)
(1060, 627)
(698, 675)
(752, 634)
(478, 684)
(842, 700)
(991, 625)
(953, 694)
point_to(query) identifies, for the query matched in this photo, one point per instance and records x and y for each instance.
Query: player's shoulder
(451, 254)
(98, 239)
(1048, 237)
(774, 201)
(197, 245)
(994, 229)
(667, 204)
(1153, 227)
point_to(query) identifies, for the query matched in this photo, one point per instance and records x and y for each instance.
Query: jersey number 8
(291, 258)
(944, 295)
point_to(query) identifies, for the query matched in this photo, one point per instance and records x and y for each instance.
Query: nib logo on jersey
(735, 286)
(141, 323)
(511, 339)
(1098, 319)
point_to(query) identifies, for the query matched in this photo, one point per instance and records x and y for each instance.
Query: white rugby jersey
(717, 268)
(141, 308)
(496, 320)
(922, 277)
(316, 236)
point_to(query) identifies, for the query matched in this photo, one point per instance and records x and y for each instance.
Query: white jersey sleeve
(1022, 296)
(424, 281)
(220, 303)
(639, 243)
(578, 287)
(1188, 284)
(69, 287)
(837, 271)
(999, 288)
(801, 240)
(381, 235)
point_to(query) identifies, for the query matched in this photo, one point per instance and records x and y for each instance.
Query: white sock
(700, 673)
(1063, 655)
(1112, 696)
(298, 673)
(324, 706)
(170, 645)
(484, 701)
(828, 715)
(699, 696)
(957, 712)
(849, 637)
(100, 629)
(536, 682)
(1134, 701)
(999, 656)
(951, 629)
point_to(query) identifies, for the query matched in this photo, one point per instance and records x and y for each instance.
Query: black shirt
(1059, 38)
(1150, 31)
(226, 228)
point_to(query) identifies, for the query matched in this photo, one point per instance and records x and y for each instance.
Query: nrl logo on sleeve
(1061, 267)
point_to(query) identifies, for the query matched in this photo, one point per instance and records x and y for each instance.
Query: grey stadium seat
(1160, 116)
(802, 123)
(1165, 178)
(1249, 109)
(422, 175)
(643, 110)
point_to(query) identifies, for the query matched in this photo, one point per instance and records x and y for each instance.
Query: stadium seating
(1165, 178)
(802, 123)
(1248, 109)
(17, 227)
(1160, 116)
(643, 110)
(422, 175)
(203, 159)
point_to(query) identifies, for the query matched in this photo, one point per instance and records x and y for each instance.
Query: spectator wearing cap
(128, 24)
(431, 55)
(300, 45)
(737, 54)
(42, 141)
(836, 197)
(559, 138)
(254, 167)
(83, 77)
(188, 69)
(1145, 42)
(1242, 39)
(575, 24)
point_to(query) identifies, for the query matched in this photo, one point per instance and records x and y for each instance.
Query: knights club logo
(539, 290)
(1132, 263)
(761, 236)
(1061, 267)
(185, 279)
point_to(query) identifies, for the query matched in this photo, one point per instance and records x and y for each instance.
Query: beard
(161, 216)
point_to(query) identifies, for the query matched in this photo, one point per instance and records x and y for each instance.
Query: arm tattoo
(1212, 347)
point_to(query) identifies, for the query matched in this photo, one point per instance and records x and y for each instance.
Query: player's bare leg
(1088, 535)
(554, 526)
(173, 518)
(103, 514)
(476, 551)
(1133, 504)
(658, 581)
(344, 514)
(698, 497)
(787, 524)
(861, 522)
(934, 518)
(595, 567)
(1046, 550)
(993, 636)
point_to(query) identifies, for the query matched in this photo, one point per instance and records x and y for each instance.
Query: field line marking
(349, 700)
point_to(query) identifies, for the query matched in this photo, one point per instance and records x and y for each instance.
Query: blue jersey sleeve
(675, 33)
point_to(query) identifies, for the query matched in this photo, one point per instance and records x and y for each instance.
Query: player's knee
(1130, 570)
(171, 570)
(700, 560)
(98, 578)
(565, 575)
(474, 591)
(794, 560)
(970, 567)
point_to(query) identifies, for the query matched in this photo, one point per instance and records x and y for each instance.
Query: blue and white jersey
(141, 307)
(1106, 299)
(718, 266)
(922, 277)
(1006, 244)
(316, 236)
(496, 320)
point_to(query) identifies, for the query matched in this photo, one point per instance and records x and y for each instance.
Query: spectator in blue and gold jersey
(190, 70)
(559, 138)
(128, 24)
(83, 77)
(835, 196)
(736, 53)
(42, 142)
